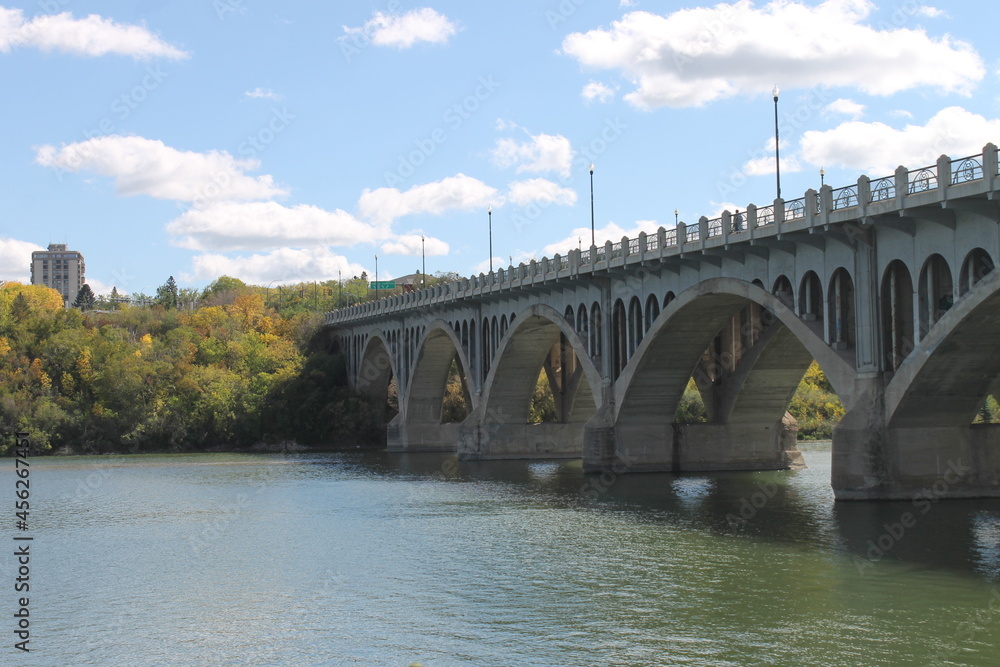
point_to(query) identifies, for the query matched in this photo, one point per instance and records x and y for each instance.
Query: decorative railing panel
(922, 180)
(845, 197)
(795, 209)
(966, 169)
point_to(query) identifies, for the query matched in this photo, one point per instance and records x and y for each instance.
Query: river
(367, 558)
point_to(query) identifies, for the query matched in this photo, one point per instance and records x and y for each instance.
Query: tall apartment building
(61, 269)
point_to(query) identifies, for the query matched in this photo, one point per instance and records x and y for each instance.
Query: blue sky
(293, 142)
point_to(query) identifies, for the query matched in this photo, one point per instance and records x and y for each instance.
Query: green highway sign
(384, 284)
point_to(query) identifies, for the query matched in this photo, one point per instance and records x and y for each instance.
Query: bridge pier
(872, 461)
(657, 446)
(487, 435)
(422, 437)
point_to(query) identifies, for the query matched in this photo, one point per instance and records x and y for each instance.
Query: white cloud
(930, 12)
(284, 266)
(764, 162)
(91, 36)
(225, 226)
(545, 152)
(540, 190)
(15, 259)
(405, 30)
(878, 149)
(695, 56)
(149, 167)
(846, 107)
(263, 94)
(410, 244)
(595, 90)
(459, 192)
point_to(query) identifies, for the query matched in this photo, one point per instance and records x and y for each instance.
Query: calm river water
(376, 559)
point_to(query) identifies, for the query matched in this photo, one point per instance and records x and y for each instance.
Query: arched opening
(503, 327)
(377, 381)
(651, 313)
(977, 264)
(583, 325)
(758, 282)
(840, 298)
(541, 393)
(494, 335)
(897, 314)
(935, 292)
(811, 297)
(569, 314)
(783, 290)
(596, 331)
(670, 296)
(487, 351)
(635, 327)
(619, 338)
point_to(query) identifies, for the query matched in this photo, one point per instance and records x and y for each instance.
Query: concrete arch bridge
(889, 284)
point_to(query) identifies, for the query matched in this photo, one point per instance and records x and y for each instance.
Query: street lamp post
(489, 212)
(423, 263)
(592, 238)
(376, 277)
(677, 215)
(822, 177)
(777, 161)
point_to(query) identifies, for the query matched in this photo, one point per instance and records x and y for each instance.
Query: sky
(293, 142)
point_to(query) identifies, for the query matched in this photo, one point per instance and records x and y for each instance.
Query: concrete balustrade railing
(905, 188)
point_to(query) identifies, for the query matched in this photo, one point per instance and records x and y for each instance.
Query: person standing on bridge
(738, 221)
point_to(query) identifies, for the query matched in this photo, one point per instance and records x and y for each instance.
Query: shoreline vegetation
(215, 370)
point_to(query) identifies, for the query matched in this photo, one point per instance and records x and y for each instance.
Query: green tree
(84, 298)
(166, 294)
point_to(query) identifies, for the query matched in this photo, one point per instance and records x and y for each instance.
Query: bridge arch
(429, 376)
(935, 292)
(897, 314)
(375, 371)
(974, 268)
(951, 369)
(842, 327)
(655, 378)
(519, 360)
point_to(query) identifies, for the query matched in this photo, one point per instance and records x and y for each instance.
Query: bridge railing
(983, 168)
(966, 169)
(922, 180)
(883, 189)
(845, 197)
(795, 209)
